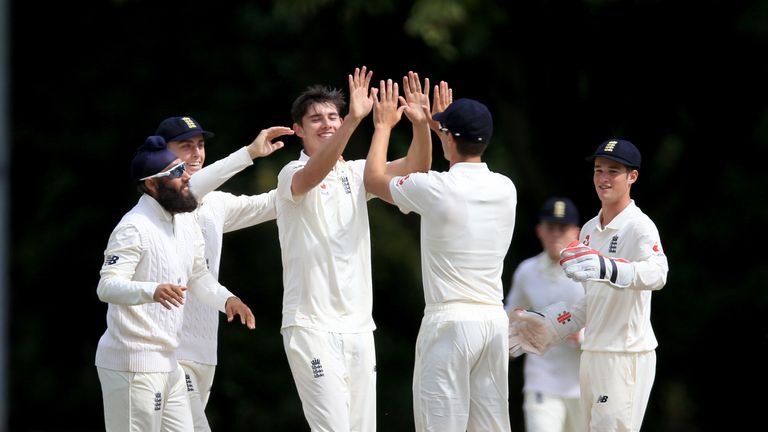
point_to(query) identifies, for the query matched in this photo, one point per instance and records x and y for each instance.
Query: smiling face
(318, 125)
(612, 181)
(191, 151)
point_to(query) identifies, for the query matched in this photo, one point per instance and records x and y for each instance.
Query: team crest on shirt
(614, 244)
(586, 240)
(403, 179)
(345, 184)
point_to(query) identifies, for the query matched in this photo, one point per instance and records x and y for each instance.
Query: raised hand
(415, 100)
(263, 145)
(360, 100)
(443, 96)
(386, 112)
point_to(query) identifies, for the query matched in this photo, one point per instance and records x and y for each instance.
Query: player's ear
(633, 174)
(298, 130)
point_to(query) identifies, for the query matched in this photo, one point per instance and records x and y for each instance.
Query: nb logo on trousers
(602, 399)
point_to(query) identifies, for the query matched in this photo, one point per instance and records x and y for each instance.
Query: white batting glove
(582, 263)
(541, 330)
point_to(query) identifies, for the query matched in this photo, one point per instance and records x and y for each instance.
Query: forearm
(375, 177)
(119, 290)
(209, 291)
(419, 157)
(214, 175)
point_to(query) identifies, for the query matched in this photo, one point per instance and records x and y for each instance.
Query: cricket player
(322, 218)
(551, 392)
(460, 378)
(154, 255)
(217, 213)
(620, 261)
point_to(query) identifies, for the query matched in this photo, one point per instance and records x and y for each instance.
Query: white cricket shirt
(467, 220)
(536, 283)
(326, 250)
(619, 319)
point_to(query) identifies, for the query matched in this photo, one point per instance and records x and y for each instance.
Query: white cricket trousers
(460, 376)
(549, 413)
(615, 388)
(199, 378)
(335, 375)
(145, 402)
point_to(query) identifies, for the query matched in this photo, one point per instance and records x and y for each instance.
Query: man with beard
(154, 254)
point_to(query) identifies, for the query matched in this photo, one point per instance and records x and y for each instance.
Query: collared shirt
(619, 319)
(326, 250)
(467, 220)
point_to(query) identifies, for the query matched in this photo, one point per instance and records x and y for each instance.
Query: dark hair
(316, 94)
(470, 148)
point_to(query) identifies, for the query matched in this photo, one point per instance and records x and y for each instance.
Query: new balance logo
(602, 399)
(158, 401)
(317, 368)
(111, 259)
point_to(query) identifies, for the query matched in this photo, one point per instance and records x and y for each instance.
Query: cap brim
(613, 158)
(187, 135)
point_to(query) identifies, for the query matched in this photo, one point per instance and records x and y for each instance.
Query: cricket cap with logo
(620, 150)
(467, 119)
(559, 210)
(151, 158)
(181, 128)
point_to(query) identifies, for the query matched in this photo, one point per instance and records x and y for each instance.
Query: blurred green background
(684, 80)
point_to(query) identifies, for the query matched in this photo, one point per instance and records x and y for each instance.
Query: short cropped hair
(316, 94)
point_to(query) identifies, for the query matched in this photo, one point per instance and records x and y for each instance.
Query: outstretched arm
(324, 159)
(217, 173)
(386, 114)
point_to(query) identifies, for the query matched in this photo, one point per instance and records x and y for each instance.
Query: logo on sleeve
(563, 317)
(111, 259)
(403, 179)
(586, 240)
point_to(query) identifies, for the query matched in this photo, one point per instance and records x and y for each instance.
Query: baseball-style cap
(151, 158)
(559, 210)
(180, 128)
(468, 119)
(620, 150)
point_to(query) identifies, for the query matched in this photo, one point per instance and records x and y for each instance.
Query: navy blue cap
(620, 150)
(559, 210)
(180, 128)
(151, 158)
(468, 119)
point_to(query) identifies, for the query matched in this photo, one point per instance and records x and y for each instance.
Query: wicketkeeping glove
(517, 344)
(582, 263)
(541, 330)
